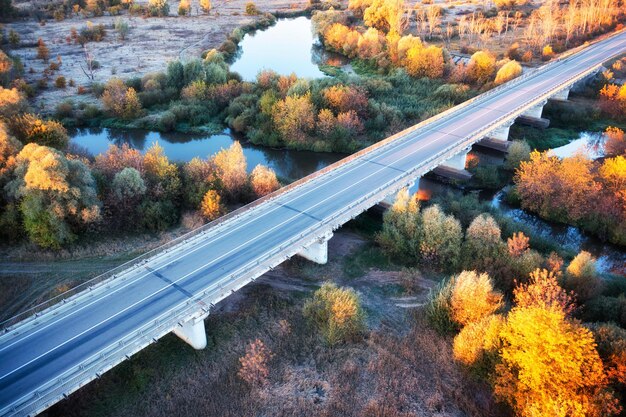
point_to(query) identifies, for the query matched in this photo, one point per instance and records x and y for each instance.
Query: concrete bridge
(76, 337)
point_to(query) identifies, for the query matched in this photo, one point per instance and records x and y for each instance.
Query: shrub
(205, 5)
(581, 276)
(508, 71)
(263, 180)
(483, 249)
(60, 82)
(336, 313)
(518, 151)
(254, 364)
(477, 344)
(251, 9)
(230, 167)
(440, 239)
(544, 291)
(401, 227)
(439, 308)
(29, 128)
(211, 207)
(473, 298)
(611, 344)
(481, 67)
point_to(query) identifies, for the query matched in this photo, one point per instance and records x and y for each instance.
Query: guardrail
(153, 330)
(44, 307)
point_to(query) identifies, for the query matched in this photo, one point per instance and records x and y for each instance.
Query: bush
(477, 344)
(473, 298)
(581, 276)
(439, 308)
(336, 313)
(60, 82)
(29, 128)
(251, 9)
(211, 207)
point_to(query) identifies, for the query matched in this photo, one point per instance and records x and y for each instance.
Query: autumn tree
(336, 312)
(162, 175)
(543, 291)
(230, 167)
(401, 227)
(613, 100)
(507, 72)
(127, 191)
(483, 247)
(205, 5)
(473, 298)
(29, 128)
(581, 276)
(254, 365)
(12, 102)
(120, 100)
(211, 206)
(440, 238)
(9, 148)
(518, 244)
(158, 7)
(294, 118)
(184, 8)
(57, 195)
(615, 143)
(477, 344)
(263, 180)
(42, 50)
(198, 176)
(116, 158)
(518, 151)
(481, 67)
(549, 366)
(426, 61)
(611, 345)
(386, 15)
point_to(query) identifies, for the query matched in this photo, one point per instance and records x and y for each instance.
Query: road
(57, 344)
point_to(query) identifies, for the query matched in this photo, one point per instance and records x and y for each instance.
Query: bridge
(77, 337)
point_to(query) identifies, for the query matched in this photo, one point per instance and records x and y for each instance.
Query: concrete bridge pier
(532, 116)
(192, 332)
(562, 95)
(458, 161)
(498, 139)
(454, 168)
(317, 251)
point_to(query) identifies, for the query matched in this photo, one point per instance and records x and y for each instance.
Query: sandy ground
(151, 43)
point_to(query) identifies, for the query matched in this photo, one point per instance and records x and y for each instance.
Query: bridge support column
(317, 251)
(458, 161)
(193, 333)
(562, 95)
(532, 117)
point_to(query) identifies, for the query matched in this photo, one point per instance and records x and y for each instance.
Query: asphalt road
(44, 352)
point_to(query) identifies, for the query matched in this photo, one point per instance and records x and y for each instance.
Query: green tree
(440, 239)
(483, 248)
(57, 195)
(401, 227)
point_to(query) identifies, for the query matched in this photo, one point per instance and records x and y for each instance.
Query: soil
(149, 46)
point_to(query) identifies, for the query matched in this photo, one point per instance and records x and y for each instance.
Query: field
(150, 45)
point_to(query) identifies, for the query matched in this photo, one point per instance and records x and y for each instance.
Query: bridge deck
(65, 346)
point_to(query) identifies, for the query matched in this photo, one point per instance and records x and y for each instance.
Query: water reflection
(287, 47)
(590, 144)
(184, 147)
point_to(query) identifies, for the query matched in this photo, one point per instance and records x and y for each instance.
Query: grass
(363, 259)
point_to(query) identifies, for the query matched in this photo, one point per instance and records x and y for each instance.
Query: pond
(183, 147)
(286, 47)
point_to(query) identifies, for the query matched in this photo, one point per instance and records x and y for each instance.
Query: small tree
(42, 50)
(205, 5)
(211, 207)
(251, 9)
(440, 238)
(509, 71)
(518, 244)
(230, 167)
(615, 143)
(184, 8)
(255, 363)
(122, 28)
(336, 312)
(473, 298)
(401, 227)
(477, 344)
(518, 151)
(581, 276)
(263, 180)
(544, 291)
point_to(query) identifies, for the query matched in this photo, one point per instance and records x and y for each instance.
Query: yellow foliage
(510, 70)
(473, 298)
(550, 367)
(477, 339)
(211, 207)
(481, 66)
(263, 180)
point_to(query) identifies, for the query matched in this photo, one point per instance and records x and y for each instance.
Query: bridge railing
(96, 282)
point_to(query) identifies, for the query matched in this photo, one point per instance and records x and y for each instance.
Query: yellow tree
(473, 298)
(508, 71)
(205, 5)
(263, 180)
(550, 367)
(211, 207)
(230, 166)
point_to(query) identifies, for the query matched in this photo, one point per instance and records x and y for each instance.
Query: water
(287, 47)
(590, 144)
(183, 147)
